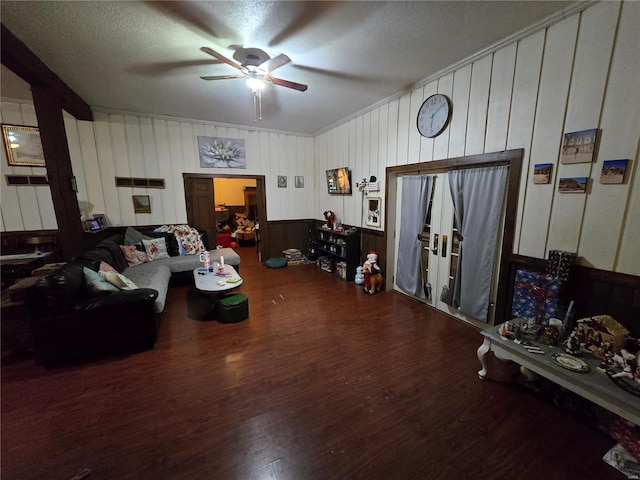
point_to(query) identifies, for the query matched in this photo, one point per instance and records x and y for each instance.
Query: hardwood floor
(321, 382)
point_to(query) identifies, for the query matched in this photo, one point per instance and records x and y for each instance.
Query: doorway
(441, 264)
(200, 199)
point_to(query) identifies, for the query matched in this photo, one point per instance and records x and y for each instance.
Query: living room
(574, 73)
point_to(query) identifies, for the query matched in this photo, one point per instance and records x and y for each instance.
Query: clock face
(434, 115)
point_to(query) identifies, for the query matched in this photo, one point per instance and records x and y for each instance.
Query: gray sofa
(177, 269)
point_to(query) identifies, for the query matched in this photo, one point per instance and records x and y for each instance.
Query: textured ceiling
(145, 56)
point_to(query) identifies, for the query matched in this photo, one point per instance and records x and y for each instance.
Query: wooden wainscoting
(594, 292)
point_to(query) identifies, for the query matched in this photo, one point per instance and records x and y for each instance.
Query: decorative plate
(570, 362)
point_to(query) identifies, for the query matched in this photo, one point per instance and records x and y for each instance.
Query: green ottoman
(232, 308)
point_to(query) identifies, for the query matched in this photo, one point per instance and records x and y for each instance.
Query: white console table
(592, 385)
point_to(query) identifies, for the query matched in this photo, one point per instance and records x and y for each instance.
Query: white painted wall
(119, 145)
(579, 73)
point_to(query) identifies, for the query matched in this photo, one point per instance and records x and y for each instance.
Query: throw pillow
(119, 280)
(133, 255)
(96, 283)
(133, 236)
(156, 248)
(105, 267)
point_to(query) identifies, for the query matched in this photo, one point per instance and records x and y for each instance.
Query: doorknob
(434, 250)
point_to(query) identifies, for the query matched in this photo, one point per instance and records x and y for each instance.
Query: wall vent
(32, 180)
(139, 182)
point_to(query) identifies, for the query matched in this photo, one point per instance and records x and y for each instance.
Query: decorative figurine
(330, 217)
(359, 279)
(372, 274)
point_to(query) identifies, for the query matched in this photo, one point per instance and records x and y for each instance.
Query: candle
(221, 260)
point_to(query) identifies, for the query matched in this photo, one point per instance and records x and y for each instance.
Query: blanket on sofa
(189, 238)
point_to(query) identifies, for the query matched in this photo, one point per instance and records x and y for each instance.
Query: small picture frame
(282, 181)
(579, 147)
(542, 173)
(613, 171)
(101, 218)
(299, 182)
(373, 211)
(141, 204)
(23, 146)
(573, 185)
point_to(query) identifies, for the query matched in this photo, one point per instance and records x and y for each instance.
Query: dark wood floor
(321, 382)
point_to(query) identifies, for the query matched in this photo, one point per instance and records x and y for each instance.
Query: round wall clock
(434, 115)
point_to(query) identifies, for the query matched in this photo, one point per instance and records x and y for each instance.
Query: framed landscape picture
(23, 146)
(542, 173)
(613, 171)
(141, 204)
(573, 185)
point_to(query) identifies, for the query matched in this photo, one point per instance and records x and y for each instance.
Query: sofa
(75, 312)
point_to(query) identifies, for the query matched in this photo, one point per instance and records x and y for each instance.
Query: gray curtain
(478, 197)
(416, 192)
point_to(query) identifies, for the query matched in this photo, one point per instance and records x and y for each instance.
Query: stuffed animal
(372, 278)
(330, 217)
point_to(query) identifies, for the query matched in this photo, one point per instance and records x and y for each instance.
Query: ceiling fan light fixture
(254, 83)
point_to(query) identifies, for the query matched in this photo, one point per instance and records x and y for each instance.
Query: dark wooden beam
(20, 60)
(59, 169)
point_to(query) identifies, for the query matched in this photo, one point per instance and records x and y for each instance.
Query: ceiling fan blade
(221, 77)
(340, 75)
(275, 62)
(309, 12)
(163, 68)
(286, 83)
(222, 58)
(194, 16)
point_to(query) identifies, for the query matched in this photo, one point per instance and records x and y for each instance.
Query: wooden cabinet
(339, 252)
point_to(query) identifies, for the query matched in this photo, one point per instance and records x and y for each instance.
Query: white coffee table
(212, 282)
(203, 299)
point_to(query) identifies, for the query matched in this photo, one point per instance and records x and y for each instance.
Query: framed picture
(141, 204)
(23, 146)
(579, 147)
(101, 218)
(339, 181)
(221, 152)
(282, 181)
(299, 181)
(573, 185)
(613, 171)
(373, 211)
(542, 173)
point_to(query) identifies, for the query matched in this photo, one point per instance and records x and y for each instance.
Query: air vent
(32, 180)
(139, 182)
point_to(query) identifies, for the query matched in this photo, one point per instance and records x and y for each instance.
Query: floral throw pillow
(133, 256)
(156, 248)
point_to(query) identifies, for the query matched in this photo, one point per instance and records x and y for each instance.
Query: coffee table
(208, 286)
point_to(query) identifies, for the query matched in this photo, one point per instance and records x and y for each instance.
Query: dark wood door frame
(263, 239)
(512, 158)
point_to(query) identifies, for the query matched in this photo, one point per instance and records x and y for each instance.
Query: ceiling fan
(256, 66)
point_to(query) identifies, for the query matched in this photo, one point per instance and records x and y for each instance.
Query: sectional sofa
(75, 311)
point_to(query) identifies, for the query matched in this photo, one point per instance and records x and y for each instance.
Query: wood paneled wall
(577, 74)
(119, 145)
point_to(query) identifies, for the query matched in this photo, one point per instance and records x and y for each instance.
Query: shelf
(342, 252)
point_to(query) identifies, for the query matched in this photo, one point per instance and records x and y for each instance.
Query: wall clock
(434, 115)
